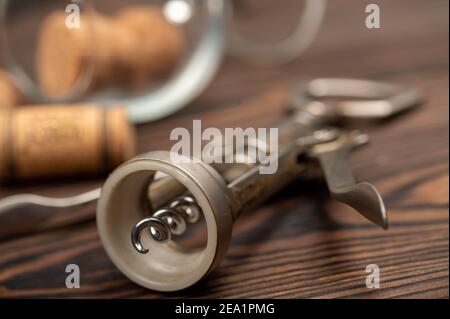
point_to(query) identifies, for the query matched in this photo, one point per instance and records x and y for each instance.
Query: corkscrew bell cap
(123, 200)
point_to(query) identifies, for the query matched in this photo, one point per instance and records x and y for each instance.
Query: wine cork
(9, 93)
(54, 141)
(160, 43)
(129, 50)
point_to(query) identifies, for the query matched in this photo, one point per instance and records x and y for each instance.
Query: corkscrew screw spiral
(167, 221)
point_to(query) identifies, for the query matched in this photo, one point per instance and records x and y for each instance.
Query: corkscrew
(158, 259)
(150, 206)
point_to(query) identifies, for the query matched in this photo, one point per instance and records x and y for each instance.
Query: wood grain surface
(300, 244)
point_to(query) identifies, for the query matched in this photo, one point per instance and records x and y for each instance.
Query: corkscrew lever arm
(359, 99)
(23, 213)
(363, 196)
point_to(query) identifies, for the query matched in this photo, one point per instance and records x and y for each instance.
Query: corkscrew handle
(24, 213)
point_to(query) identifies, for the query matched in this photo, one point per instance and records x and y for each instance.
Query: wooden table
(300, 244)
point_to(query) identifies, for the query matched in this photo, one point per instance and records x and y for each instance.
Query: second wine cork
(53, 141)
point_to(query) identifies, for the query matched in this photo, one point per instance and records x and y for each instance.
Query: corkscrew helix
(168, 220)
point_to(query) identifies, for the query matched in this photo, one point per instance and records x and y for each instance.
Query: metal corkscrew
(302, 134)
(135, 203)
(166, 221)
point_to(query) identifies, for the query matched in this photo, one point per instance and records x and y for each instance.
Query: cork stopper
(130, 50)
(62, 56)
(53, 141)
(161, 43)
(9, 93)
(119, 137)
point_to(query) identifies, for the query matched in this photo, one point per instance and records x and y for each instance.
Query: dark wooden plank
(299, 244)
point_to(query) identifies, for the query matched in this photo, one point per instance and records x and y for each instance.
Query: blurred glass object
(106, 73)
(21, 22)
(268, 32)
